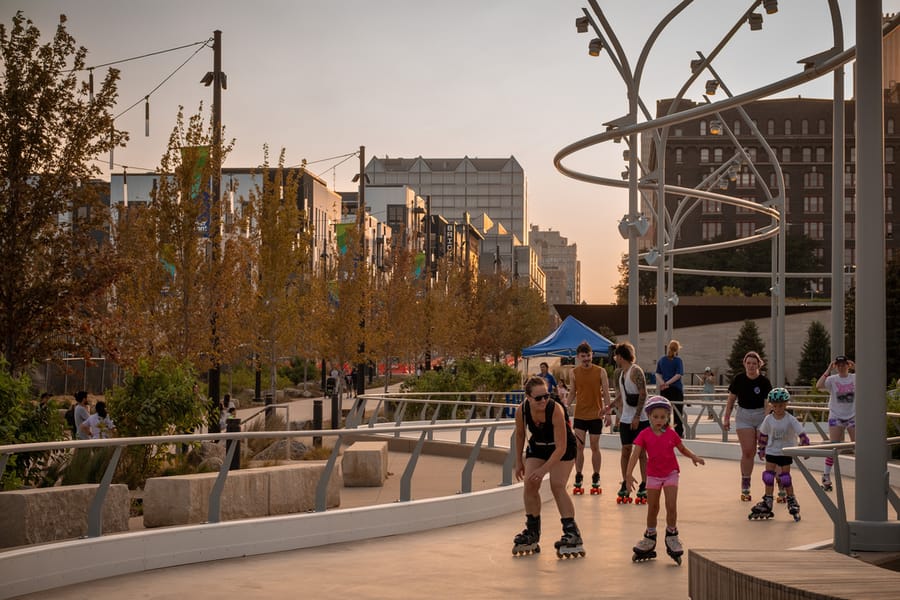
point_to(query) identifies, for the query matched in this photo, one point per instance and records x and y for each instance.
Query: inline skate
(673, 546)
(596, 490)
(578, 490)
(624, 496)
(527, 542)
(641, 496)
(793, 507)
(762, 510)
(826, 482)
(645, 549)
(570, 544)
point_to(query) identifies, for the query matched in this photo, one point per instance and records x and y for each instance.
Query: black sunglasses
(541, 397)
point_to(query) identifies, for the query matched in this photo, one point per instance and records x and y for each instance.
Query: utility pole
(215, 216)
(363, 265)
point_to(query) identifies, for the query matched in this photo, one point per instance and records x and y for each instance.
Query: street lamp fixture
(652, 256)
(715, 126)
(696, 64)
(673, 299)
(711, 86)
(595, 46)
(581, 24)
(624, 174)
(771, 6)
(638, 222)
(626, 154)
(755, 20)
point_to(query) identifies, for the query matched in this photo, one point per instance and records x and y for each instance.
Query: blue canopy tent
(565, 340)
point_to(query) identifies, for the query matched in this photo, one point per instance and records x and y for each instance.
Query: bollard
(335, 411)
(234, 426)
(270, 411)
(317, 421)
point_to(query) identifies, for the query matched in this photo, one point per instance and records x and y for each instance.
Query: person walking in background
(750, 390)
(590, 390)
(98, 426)
(81, 415)
(708, 379)
(551, 448)
(659, 442)
(778, 431)
(669, 371)
(841, 388)
(631, 393)
(548, 377)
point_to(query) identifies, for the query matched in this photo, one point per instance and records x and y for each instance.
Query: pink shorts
(656, 483)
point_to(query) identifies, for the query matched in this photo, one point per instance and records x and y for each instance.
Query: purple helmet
(657, 402)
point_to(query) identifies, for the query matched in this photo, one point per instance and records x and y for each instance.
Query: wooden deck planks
(786, 575)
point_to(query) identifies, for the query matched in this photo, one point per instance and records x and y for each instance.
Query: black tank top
(542, 434)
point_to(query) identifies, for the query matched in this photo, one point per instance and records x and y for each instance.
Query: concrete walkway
(475, 561)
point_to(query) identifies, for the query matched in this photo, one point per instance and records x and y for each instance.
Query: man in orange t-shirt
(590, 391)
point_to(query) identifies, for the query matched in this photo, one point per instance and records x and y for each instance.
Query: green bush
(300, 370)
(244, 378)
(157, 399)
(21, 422)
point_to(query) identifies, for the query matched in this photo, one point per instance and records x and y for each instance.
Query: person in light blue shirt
(548, 377)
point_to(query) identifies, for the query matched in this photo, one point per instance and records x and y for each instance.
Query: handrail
(837, 511)
(95, 519)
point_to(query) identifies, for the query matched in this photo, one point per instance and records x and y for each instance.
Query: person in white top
(99, 426)
(841, 406)
(631, 394)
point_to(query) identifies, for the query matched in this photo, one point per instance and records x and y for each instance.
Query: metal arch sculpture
(628, 127)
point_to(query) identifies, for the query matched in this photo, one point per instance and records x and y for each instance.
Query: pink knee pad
(768, 477)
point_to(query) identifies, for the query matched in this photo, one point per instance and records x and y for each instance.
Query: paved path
(474, 560)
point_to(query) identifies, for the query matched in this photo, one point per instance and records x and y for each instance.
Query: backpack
(70, 417)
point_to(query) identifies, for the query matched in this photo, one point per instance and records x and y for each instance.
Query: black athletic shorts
(781, 461)
(543, 452)
(628, 435)
(592, 426)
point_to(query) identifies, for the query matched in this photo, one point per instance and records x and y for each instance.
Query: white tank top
(629, 387)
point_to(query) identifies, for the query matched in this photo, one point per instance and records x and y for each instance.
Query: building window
(849, 204)
(678, 179)
(737, 128)
(717, 155)
(702, 127)
(787, 180)
(679, 158)
(889, 154)
(849, 256)
(813, 204)
(678, 132)
(890, 126)
(785, 155)
(849, 230)
(814, 230)
(889, 180)
(813, 180)
(770, 128)
(711, 231)
(849, 177)
(820, 154)
(807, 155)
(889, 204)
(746, 178)
(889, 230)
(821, 126)
(744, 229)
(787, 127)
(853, 154)
(819, 253)
(804, 127)
(704, 155)
(712, 207)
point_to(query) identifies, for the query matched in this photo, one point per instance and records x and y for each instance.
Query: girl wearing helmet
(659, 441)
(778, 431)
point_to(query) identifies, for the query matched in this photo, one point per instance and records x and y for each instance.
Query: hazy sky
(483, 78)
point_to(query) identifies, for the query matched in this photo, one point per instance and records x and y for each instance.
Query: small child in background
(659, 441)
(778, 430)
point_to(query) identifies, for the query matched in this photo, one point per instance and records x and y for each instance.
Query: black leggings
(676, 397)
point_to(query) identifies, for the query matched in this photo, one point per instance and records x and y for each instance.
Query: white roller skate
(673, 546)
(645, 549)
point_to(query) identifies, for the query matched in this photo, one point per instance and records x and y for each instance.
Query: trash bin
(514, 398)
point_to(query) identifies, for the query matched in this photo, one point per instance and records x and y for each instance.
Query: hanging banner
(342, 232)
(196, 158)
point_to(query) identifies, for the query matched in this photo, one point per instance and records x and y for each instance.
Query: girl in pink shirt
(659, 442)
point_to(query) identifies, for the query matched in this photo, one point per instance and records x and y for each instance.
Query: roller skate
(673, 546)
(745, 489)
(641, 496)
(596, 490)
(762, 510)
(527, 541)
(624, 496)
(826, 483)
(793, 507)
(645, 549)
(782, 495)
(570, 544)
(578, 490)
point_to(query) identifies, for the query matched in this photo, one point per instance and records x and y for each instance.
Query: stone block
(47, 514)
(292, 487)
(184, 499)
(365, 464)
